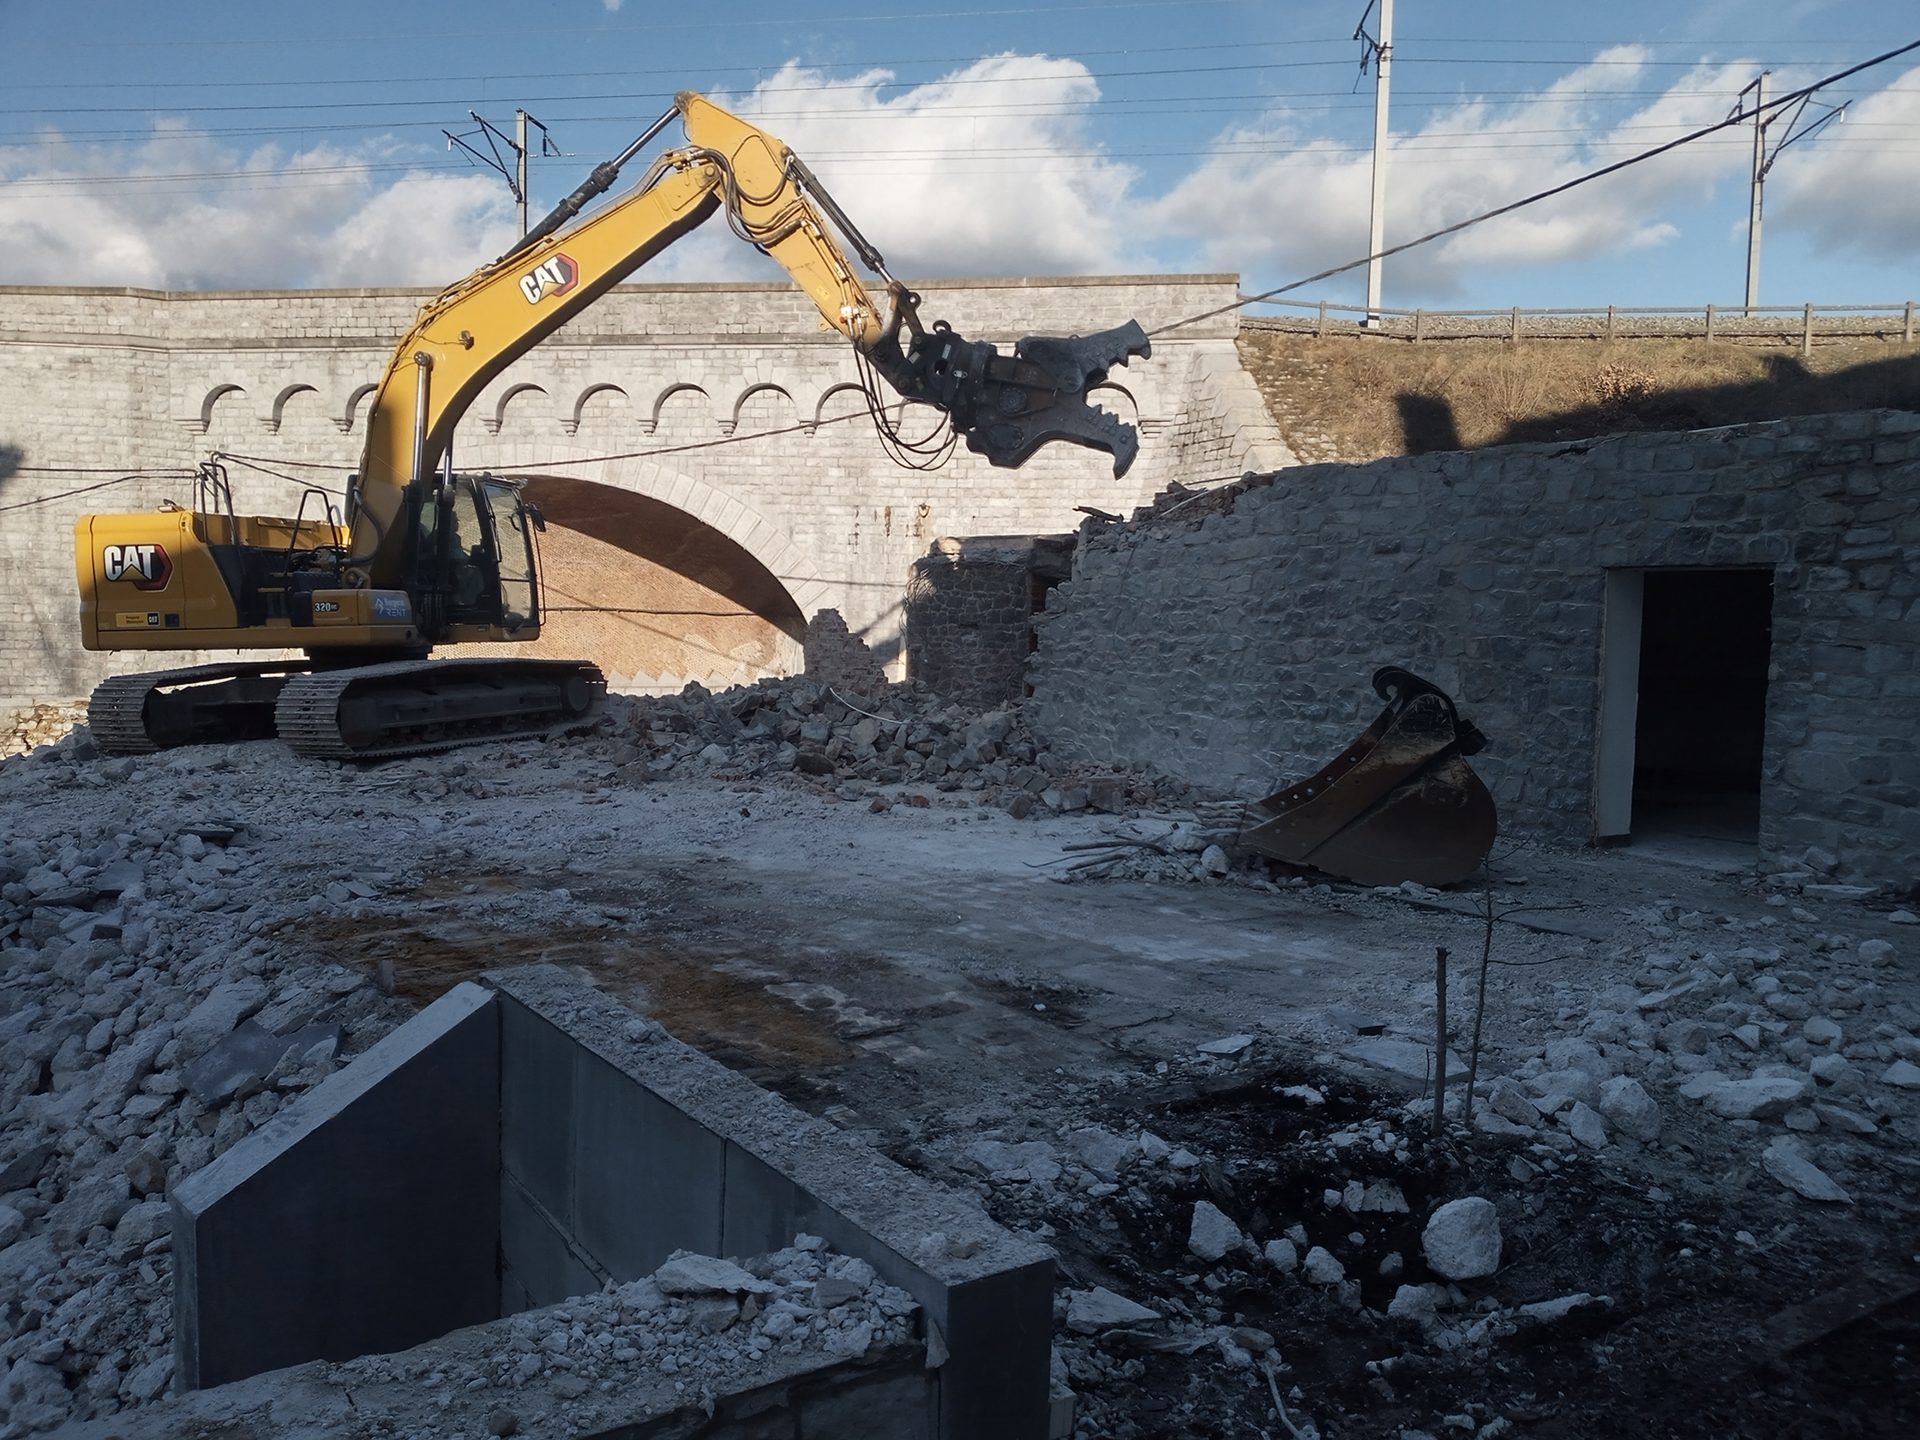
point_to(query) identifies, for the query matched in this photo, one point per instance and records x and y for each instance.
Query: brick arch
(1117, 398)
(580, 405)
(494, 422)
(349, 414)
(765, 387)
(299, 387)
(845, 388)
(661, 580)
(681, 388)
(766, 541)
(212, 398)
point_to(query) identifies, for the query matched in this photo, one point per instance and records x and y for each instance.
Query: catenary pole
(520, 155)
(1757, 196)
(1383, 55)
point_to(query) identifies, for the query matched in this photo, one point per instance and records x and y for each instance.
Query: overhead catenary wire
(1738, 117)
(120, 479)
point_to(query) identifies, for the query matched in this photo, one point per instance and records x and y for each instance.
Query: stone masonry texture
(1231, 641)
(99, 383)
(968, 620)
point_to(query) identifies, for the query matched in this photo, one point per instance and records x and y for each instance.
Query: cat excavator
(422, 557)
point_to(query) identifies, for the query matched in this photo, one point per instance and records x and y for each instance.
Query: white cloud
(321, 216)
(1304, 206)
(612, 5)
(989, 171)
(1851, 187)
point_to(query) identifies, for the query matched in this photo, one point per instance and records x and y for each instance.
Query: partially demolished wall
(1228, 638)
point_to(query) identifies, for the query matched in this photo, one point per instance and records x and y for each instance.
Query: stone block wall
(969, 622)
(642, 392)
(1231, 641)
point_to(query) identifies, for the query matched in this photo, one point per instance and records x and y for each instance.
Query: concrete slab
(986, 1292)
(364, 1217)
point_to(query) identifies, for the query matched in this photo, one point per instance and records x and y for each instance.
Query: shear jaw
(1045, 399)
(1008, 406)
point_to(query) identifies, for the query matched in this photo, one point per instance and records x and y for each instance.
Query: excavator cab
(475, 572)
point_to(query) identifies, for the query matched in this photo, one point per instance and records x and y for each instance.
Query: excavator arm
(1005, 406)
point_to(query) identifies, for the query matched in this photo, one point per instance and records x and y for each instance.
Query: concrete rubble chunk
(1026, 1160)
(1226, 1045)
(1462, 1239)
(1211, 1234)
(1419, 1303)
(1786, 1160)
(1585, 1124)
(1322, 1267)
(1282, 1255)
(1839, 1117)
(1761, 1097)
(1549, 1312)
(1405, 1062)
(1090, 1311)
(1507, 1100)
(123, 1070)
(688, 1274)
(1819, 1030)
(242, 1061)
(1628, 1107)
(214, 1018)
(98, 1199)
(1382, 1197)
(1102, 1151)
(1902, 1073)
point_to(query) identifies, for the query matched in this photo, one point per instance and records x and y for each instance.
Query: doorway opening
(1684, 703)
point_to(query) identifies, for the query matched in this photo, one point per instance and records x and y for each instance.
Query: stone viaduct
(703, 451)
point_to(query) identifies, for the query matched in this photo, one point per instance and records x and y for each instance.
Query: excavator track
(416, 707)
(197, 704)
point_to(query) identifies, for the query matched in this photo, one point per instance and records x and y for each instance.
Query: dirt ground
(924, 978)
(933, 977)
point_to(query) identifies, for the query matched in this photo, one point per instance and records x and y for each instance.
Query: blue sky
(209, 145)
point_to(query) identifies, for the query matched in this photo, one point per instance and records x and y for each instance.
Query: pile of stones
(861, 747)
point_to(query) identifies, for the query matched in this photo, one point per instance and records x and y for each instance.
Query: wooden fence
(1805, 323)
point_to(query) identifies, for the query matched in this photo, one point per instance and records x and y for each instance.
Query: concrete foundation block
(364, 1217)
(758, 1171)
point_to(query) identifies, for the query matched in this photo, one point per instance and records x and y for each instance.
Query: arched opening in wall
(655, 597)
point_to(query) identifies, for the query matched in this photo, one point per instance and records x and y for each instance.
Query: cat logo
(147, 566)
(555, 275)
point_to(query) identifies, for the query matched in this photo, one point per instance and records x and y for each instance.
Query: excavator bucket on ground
(1400, 803)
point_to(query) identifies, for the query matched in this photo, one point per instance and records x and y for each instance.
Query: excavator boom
(1005, 407)
(424, 558)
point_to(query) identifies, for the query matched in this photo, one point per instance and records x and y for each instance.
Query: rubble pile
(146, 1025)
(698, 1321)
(1685, 1110)
(28, 727)
(859, 746)
(1709, 1030)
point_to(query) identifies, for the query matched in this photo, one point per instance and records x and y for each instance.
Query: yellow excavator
(423, 557)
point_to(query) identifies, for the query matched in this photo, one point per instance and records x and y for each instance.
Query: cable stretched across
(1738, 117)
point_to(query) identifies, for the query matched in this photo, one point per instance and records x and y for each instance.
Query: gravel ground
(889, 942)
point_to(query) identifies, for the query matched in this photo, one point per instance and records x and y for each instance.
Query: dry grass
(1358, 398)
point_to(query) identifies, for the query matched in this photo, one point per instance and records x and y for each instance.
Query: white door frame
(1619, 704)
